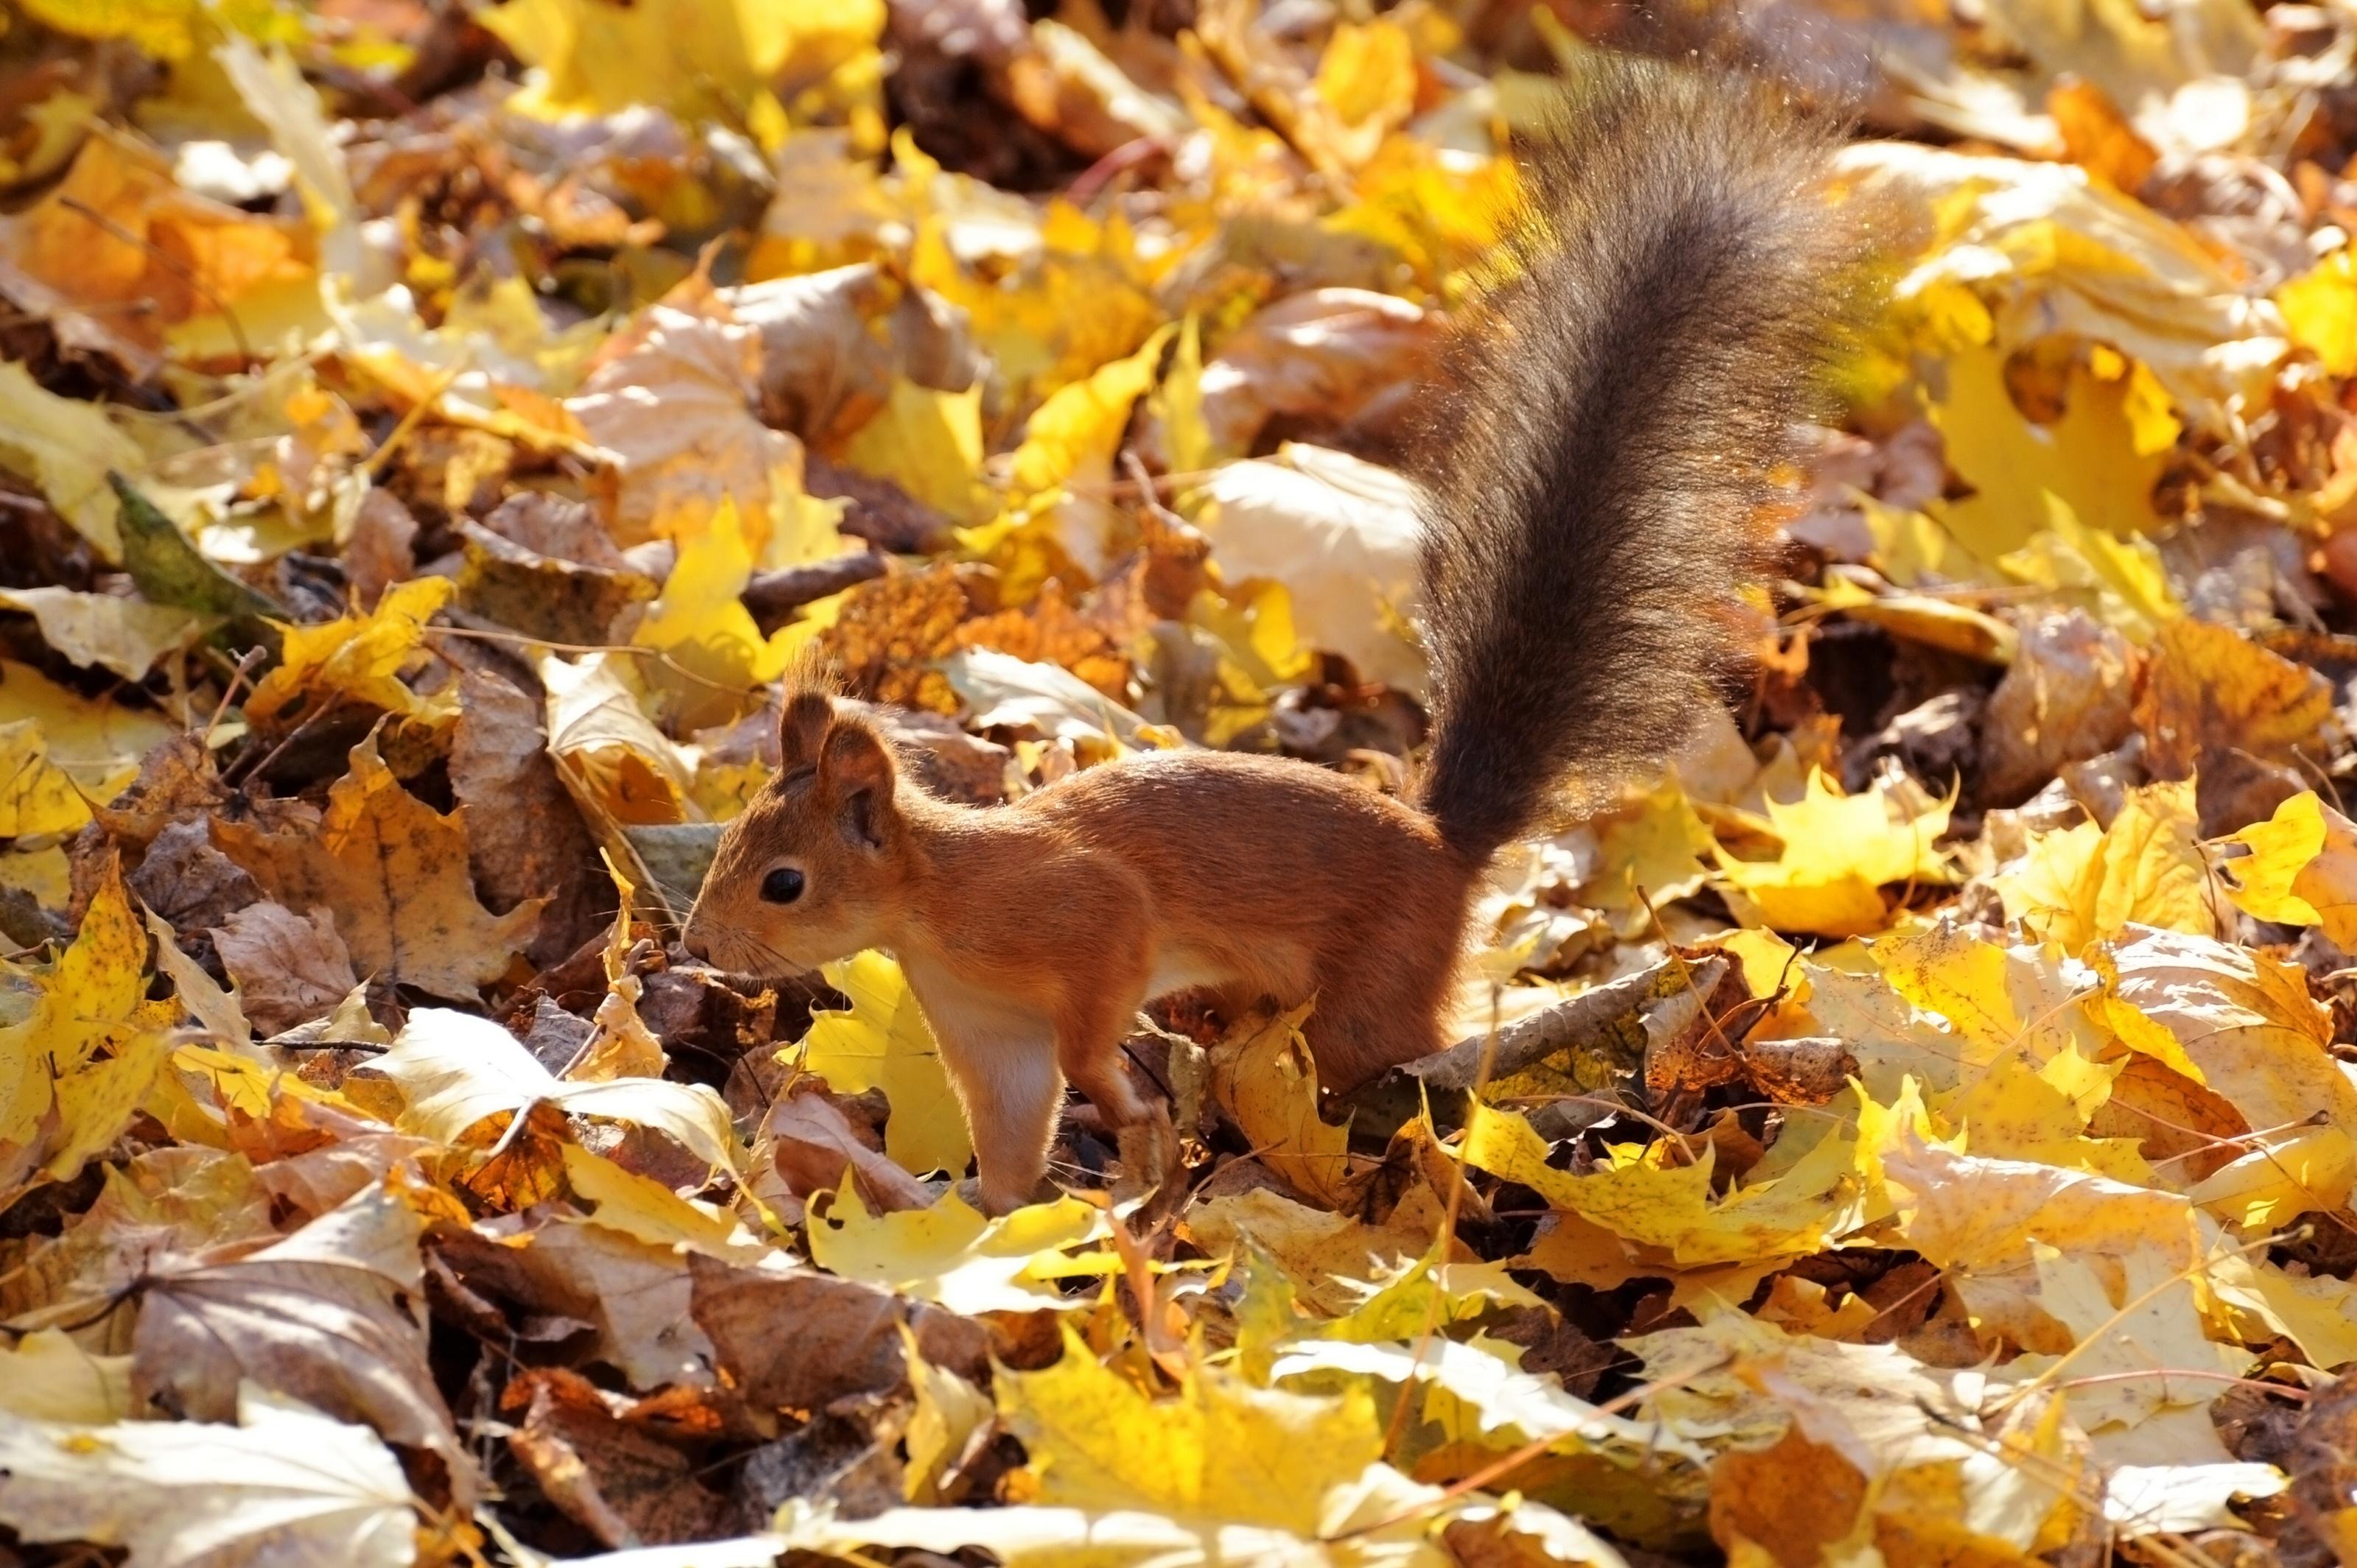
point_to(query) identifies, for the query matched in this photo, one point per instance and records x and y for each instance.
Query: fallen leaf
(884, 1042)
(126, 636)
(326, 1316)
(285, 1486)
(50, 1378)
(289, 968)
(2301, 869)
(525, 841)
(457, 1070)
(1341, 535)
(797, 1339)
(2212, 690)
(950, 1255)
(357, 657)
(2081, 884)
(394, 871)
(1264, 1080)
(1839, 851)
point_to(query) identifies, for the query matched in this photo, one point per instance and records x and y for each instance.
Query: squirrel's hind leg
(1373, 1016)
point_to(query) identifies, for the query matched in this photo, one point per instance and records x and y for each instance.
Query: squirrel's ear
(803, 726)
(856, 768)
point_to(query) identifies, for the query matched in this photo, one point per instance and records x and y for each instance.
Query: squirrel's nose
(697, 946)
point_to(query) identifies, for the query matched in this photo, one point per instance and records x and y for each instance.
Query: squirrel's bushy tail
(1617, 403)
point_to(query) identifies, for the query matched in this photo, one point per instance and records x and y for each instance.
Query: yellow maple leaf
(1082, 297)
(1367, 77)
(1221, 1472)
(36, 795)
(1641, 1197)
(75, 1066)
(883, 1042)
(2301, 869)
(97, 744)
(2120, 582)
(952, 1256)
(613, 759)
(930, 444)
(1839, 851)
(714, 652)
(1264, 1080)
(2285, 1174)
(701, 62)
(1067, 449)
(2091, 458)
(1219, 1448)
(1654, 847)
(643, 1207)
(358, 658)
(2083, 882)
(1981, 1218)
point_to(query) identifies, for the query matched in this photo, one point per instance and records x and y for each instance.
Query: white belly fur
(1177, 970)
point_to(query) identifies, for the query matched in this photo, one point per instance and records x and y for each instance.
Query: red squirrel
(1616, 403)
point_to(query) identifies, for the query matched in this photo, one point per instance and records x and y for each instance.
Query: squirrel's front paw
(997, 1202)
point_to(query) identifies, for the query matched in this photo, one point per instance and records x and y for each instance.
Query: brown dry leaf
(180, 1200)
(329, 1316)
(832, 343)
(675, 397)
(1346, 366)
(2068, 695)
(611, 1478)
(525, 841)
(810, 1143)
(393, 870)
(625, 1301)
(793, 1339)
(289, 968)
(545, 595)
(2212, 692)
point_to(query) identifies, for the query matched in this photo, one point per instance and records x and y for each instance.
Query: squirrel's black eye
(782, 886)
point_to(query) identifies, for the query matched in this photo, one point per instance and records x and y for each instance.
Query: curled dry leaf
(458, 1071)
(289, 968)
(525, 841)
(2067, 696)
(1341, 535)
(793, 1339)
